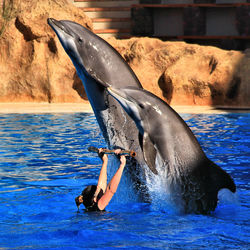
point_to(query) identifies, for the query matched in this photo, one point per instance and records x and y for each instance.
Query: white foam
(225, 196)
(161, 188)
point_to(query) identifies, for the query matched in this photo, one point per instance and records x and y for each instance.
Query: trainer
(96, 198)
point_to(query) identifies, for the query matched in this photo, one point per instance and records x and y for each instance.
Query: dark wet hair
(88, 195)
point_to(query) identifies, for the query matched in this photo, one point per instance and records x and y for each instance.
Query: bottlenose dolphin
(98, 65)
(191, 176)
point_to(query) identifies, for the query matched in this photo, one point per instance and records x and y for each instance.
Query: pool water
(44, 165)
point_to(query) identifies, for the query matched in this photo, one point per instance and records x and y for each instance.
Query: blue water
(44, 164)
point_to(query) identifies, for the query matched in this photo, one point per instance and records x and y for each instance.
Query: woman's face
(79, 201)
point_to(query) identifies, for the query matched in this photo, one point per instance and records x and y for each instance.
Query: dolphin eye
(141, 105)
(80, 40)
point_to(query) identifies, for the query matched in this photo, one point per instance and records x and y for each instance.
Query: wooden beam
(205, 5)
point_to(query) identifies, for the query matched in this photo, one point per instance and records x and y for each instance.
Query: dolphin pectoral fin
(149, 151)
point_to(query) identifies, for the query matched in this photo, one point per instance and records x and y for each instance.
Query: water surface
(44, 164)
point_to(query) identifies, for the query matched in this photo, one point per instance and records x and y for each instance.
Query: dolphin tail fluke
(221, 179)
(215, 180)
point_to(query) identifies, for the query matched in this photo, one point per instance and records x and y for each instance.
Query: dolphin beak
(110, 90)
(54, 23)
(121, 96)
(115, 93)
(57, 26)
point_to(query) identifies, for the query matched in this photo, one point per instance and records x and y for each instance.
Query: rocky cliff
(187, 74)
(35, 68)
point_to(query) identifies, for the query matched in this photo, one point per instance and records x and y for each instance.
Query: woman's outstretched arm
(102, 180)
(113, 184)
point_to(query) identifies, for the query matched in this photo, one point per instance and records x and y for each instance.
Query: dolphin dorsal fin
(149, 151)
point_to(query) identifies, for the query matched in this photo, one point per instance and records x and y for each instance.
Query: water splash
(225, 196)
(161, 188)
(126, 191)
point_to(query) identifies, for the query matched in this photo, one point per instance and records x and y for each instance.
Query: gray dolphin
(98, 65)
(191, 175)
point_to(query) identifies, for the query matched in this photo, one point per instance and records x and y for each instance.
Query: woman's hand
(122, 157)
(102, 155)
(118, 151)
(123, 160)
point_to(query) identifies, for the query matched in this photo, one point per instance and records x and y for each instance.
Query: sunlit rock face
(187, 74)
(34, 66)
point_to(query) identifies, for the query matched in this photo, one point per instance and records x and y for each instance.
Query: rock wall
(33, 64)
(35, 68)
(187, 74)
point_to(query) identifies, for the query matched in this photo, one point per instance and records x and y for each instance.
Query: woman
(96, 198)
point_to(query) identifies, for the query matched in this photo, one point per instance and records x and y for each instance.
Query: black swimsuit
(94, 207)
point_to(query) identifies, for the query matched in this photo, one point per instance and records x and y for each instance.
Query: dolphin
(99, 65)
(191, 176)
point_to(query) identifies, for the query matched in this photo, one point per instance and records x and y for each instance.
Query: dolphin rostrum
(98, 65)
(190, 174)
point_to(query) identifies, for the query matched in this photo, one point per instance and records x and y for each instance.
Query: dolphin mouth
(112, 91)
(115, 93)
(57, 25)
